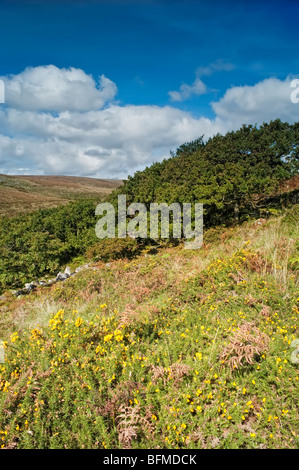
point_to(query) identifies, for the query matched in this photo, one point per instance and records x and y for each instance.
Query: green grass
(136, 354)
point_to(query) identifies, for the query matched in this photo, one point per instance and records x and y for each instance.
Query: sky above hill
(104, 88)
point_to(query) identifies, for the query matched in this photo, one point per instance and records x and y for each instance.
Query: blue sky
(168, 62)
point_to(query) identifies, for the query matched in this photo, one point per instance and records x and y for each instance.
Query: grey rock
(20, 292)
(61, 276)
(83, 266)
(29, 286)
(68, 271)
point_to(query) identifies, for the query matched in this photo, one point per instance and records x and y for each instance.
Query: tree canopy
(227, 173)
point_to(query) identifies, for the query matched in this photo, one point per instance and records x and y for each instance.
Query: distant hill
(28, 193)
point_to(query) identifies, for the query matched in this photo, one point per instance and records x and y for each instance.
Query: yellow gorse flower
(107, 338)
(78, 322)
(14, 337)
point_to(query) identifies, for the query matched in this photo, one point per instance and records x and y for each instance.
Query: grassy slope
(28, 193)
(129, 354)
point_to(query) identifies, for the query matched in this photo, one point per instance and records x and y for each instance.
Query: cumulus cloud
(107, 140)
(110, 142)
(49, 88)
(268, 99)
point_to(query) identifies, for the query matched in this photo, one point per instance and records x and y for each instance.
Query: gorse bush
(36, 244)
(112, 249)
(163, 378)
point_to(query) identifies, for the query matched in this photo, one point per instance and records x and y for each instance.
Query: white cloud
(186, 91)
(266, 100)
(49, 88)
(110, 142)
(217, 66)
(198, 87)
(114, 141)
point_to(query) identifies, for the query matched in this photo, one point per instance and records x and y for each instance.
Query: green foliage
(112, 249)
(229, 174)
(36, 244)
